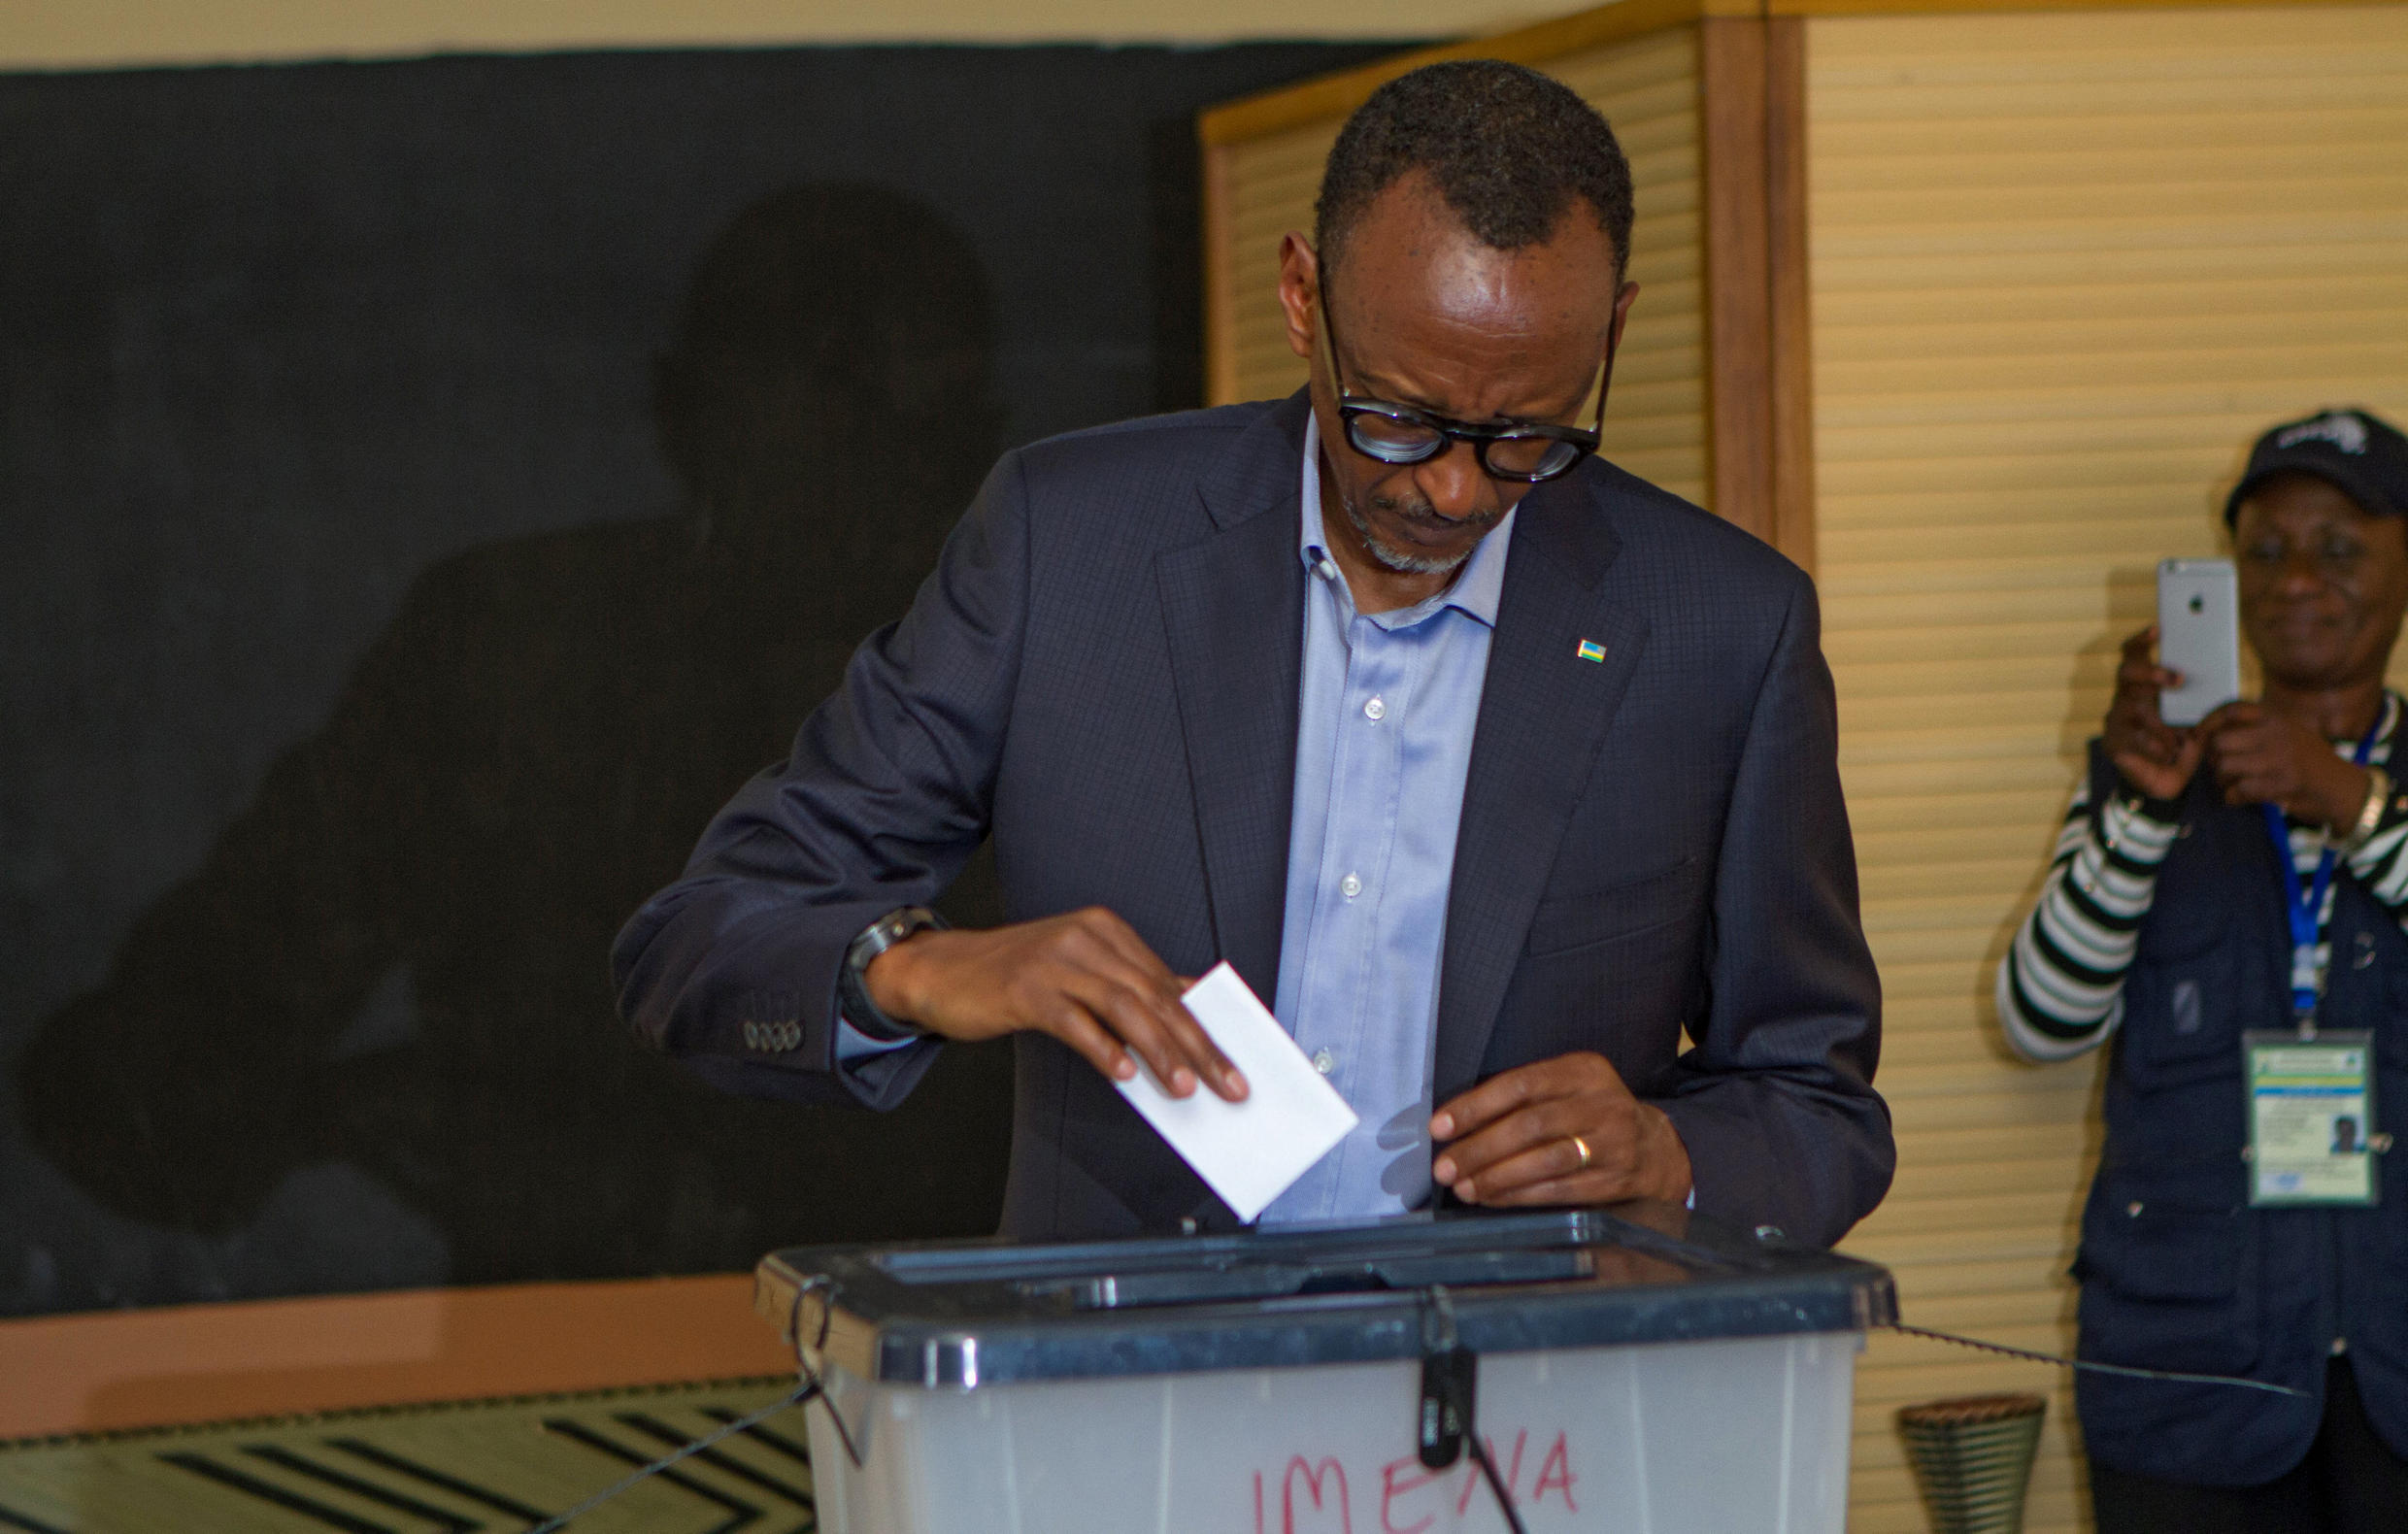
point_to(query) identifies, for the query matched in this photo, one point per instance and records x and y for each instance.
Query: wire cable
(1440, 1341)
(1496, 1483)
(558, 1521)
(2125, 1370)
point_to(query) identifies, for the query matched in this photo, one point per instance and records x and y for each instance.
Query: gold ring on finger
(1582, 1146)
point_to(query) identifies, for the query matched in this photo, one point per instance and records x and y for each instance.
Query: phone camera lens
(2198, 604)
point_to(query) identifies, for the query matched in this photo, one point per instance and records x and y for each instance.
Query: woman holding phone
(2225, 911)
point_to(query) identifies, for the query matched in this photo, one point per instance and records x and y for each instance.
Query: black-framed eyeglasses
(1525, 453)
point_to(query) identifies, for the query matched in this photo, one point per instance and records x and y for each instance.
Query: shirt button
(1375, 710)
(1323, 1061)
(1350, 886)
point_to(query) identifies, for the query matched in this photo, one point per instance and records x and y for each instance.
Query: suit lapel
(1233, 604)
(1542, 714)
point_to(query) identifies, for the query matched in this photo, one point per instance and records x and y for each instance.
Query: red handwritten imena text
(1311, 1496)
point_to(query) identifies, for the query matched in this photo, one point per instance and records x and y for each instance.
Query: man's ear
(1299, 290)
(1622, 315)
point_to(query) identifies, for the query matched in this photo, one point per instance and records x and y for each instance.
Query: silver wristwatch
(853, 992)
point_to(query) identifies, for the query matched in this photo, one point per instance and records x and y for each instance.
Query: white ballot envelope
(1248, 1152)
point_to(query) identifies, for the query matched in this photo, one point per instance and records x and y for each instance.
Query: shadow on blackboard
(394, 961)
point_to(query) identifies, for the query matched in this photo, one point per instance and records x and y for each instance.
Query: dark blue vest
(2177, 1271)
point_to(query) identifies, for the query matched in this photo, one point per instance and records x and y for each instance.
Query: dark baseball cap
(2362, 454)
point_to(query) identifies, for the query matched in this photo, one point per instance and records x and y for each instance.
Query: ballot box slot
(1265, 1280)
(991, 1268)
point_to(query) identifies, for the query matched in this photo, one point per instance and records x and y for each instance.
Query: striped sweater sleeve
(2381, 865)
(2060, 991)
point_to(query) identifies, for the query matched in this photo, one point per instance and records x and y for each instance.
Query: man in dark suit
(1496, 783)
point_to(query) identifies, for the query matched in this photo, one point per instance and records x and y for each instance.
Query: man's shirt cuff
(851, 1044)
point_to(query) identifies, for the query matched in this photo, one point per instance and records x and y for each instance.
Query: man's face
(2323, 583)
(1427, 315)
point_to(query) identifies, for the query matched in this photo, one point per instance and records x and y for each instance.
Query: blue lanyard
(2306, 906)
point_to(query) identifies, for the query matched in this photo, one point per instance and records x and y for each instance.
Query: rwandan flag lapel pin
(1590, 650)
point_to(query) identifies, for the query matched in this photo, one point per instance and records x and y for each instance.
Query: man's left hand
(1518, 1137)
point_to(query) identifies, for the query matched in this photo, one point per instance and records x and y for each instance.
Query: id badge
(2311, 1116)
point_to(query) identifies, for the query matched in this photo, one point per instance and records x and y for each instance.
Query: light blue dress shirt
(1384, 740)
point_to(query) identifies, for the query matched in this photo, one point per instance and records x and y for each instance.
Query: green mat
(483, 1465)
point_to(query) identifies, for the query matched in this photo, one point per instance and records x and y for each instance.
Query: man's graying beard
(1415, 510)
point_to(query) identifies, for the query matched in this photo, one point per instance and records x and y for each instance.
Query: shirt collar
(1476, 588)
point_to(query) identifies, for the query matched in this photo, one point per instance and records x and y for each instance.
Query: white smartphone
(2199, 636)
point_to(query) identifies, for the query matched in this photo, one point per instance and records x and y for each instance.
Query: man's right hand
(1085, 978)
(2153, 755)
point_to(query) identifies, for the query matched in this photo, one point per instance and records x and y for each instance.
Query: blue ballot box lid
(961, 1315)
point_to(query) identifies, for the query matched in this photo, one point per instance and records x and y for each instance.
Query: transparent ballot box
(1632, 1369)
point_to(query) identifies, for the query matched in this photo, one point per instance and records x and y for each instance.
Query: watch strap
(2378, 794)
(853, 993)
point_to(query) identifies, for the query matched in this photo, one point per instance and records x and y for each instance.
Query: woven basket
(1973, 1458)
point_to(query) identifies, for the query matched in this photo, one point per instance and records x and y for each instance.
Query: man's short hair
(1508, 149)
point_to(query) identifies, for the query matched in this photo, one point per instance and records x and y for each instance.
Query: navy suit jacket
(1102, 673)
